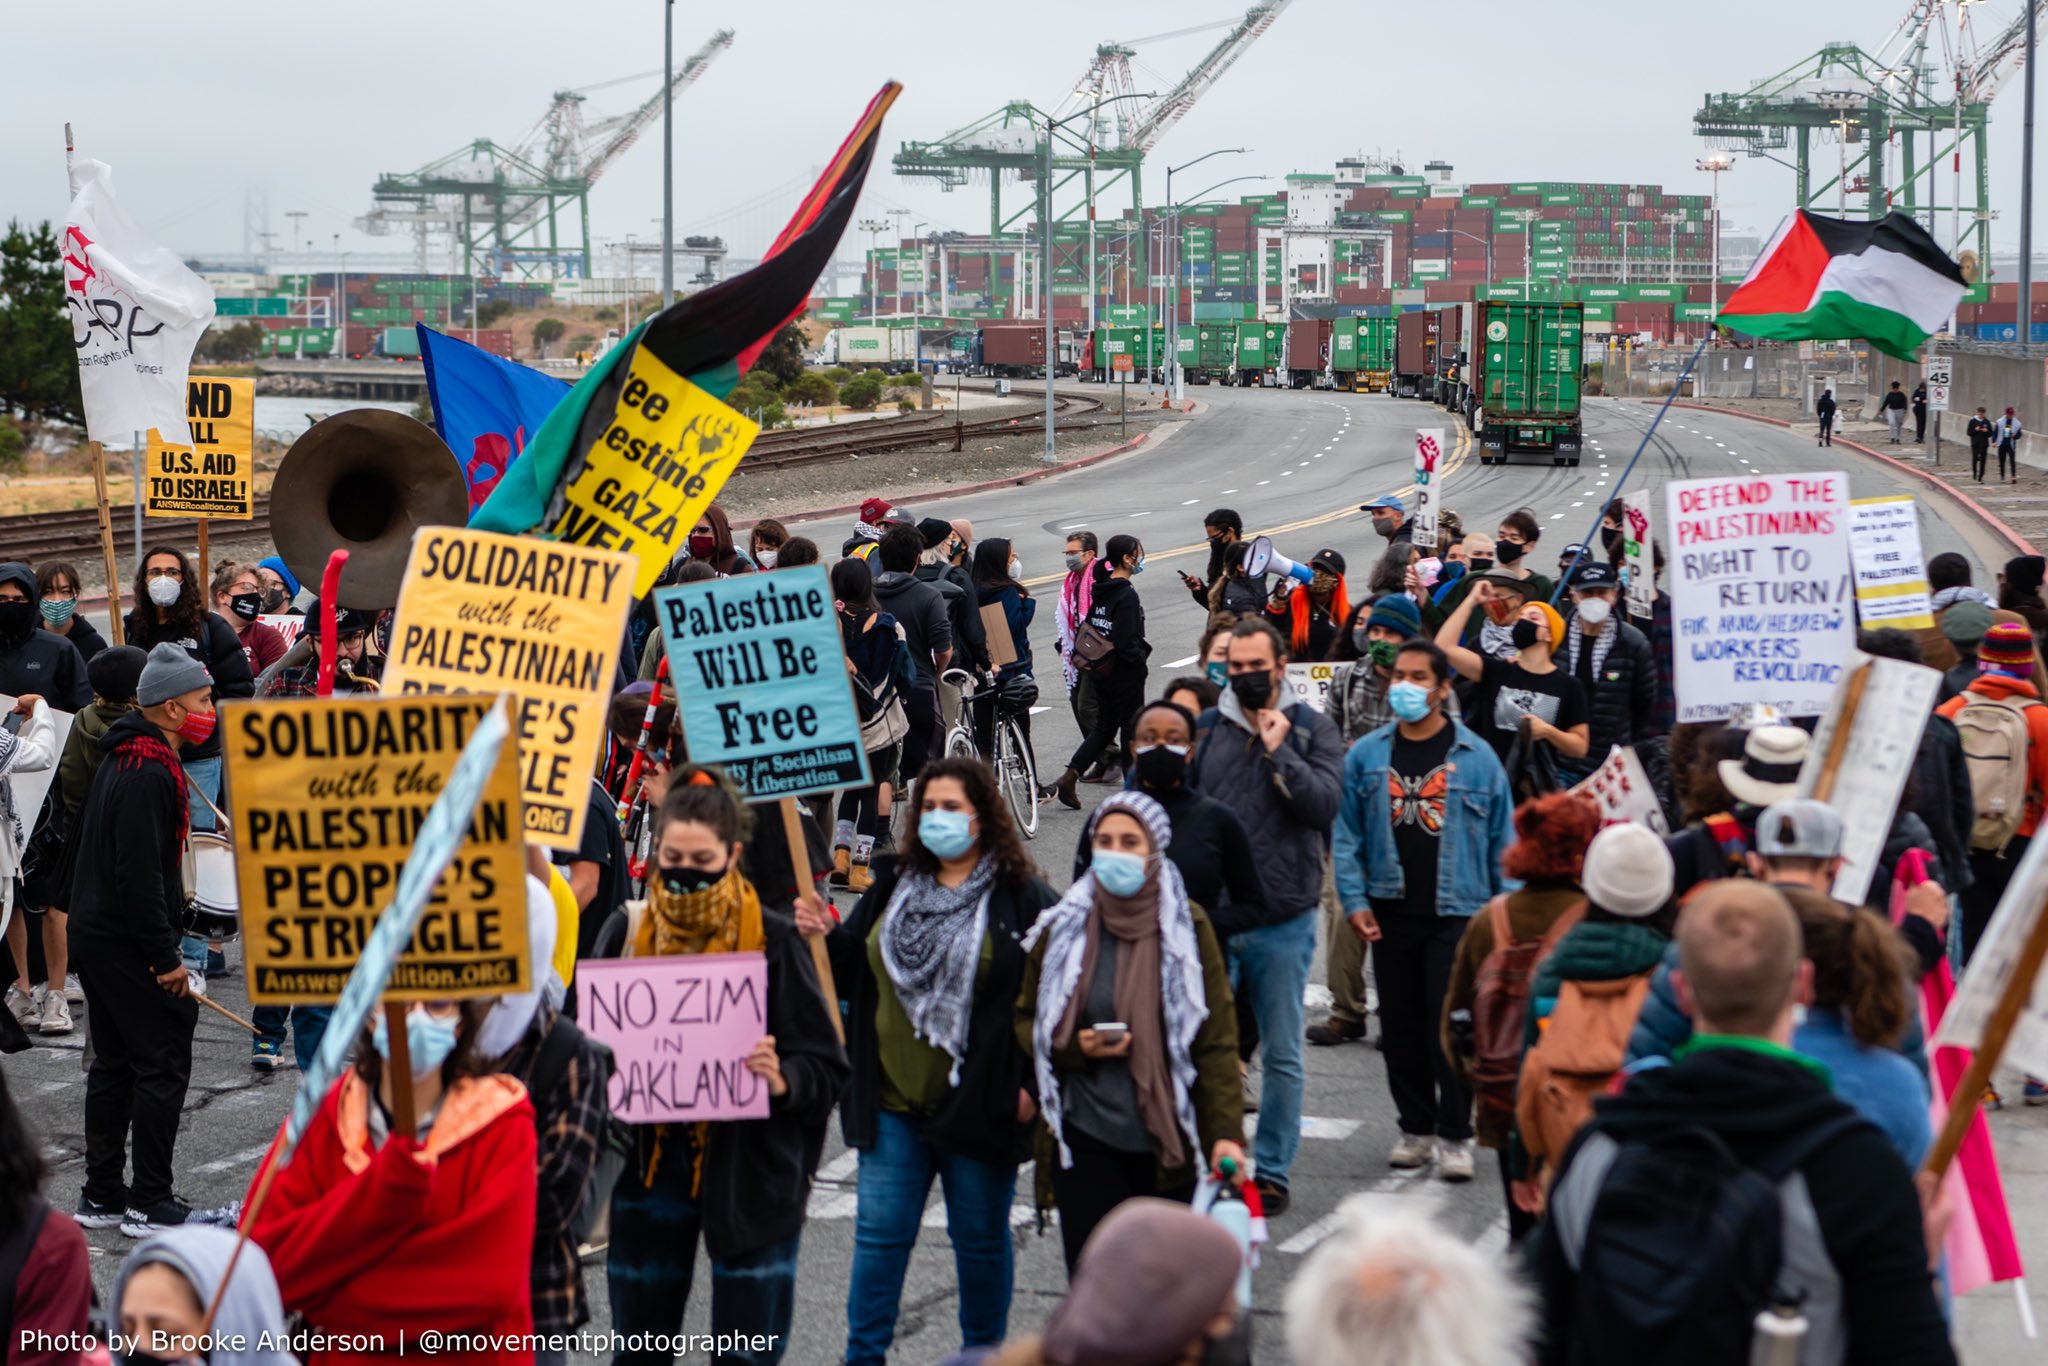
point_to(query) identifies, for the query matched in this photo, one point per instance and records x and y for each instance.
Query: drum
(212, 909)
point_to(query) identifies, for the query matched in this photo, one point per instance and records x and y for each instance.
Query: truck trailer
(1526, 379)
(1415, 343)
(1309, 354)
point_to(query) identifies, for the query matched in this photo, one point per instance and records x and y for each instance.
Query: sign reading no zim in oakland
(760, 676)
(329, 795)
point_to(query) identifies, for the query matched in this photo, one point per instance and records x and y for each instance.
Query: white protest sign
(1891, 572)
(31, 788)
(1620, 787)
(1992, 967)
(1311, 683)
(1883, 740)
(1637, 555)
(286, 624)
(1760, 593)
(1429, 449)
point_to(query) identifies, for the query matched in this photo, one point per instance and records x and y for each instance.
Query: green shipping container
(1528, 376)
(1254, 347)
(1215, 313)
(400, 341)
(1599, 313)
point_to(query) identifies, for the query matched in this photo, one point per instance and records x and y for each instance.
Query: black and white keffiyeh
(931, 947)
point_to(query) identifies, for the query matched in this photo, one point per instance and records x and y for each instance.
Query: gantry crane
(501, 207)
(1927, 90)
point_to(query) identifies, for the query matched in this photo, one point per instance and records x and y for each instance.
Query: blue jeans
(1270, 966)
(201, 775)
(308, 1024)
(653, 1260)
(895, 1177)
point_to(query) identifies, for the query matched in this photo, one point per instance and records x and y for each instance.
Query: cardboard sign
(1620, 787)
(287, 624)
(1891, 572)
(760, 676)
(1429, 450)
(1638, 554)
(1761, 606)
(663, 457)
(680, 1029)
(329, 795)
(31, 788)
(995, 624)
(1884, 739)
(1311, 683)
(215, 475)
(1992, 967)
(484, 613)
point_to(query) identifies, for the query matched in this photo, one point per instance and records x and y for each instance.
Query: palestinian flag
(1834, 279)
(710, 339)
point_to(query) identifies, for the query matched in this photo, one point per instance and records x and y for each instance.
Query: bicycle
(1015, 768)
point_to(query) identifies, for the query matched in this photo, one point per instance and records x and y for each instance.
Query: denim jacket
(1479, 815)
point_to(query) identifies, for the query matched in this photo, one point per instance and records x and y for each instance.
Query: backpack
(1500, 1006)
(883, 721)
(1094, 652)
(614, 1141)
(1994, 735)
(1678, 1245)
(1583, 1045)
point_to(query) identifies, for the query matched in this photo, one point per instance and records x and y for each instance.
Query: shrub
(812, 387)
(862, 392)
(906, 381)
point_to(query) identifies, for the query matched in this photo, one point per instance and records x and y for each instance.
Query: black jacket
(1824, 407)
(1861, 1192)
(1939, 793)
(1622, 703)
(963, 610)
(1895, 399)
(218, 648)
(979, 1118)
(127, 889)
(47, 664)
(1214, 856)
(1979, 431)
(920, 609)
(84, 637)
(1117, 613)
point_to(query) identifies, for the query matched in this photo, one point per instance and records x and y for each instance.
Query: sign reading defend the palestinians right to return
(1762, 599)
(215, 475)
(329, 795)
(761, 681)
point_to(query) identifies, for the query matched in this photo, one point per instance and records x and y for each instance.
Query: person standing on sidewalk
(1425, 817)
(1894, 406)
(127, 903)
(1920, 414)
(1979, 432)
(2007, 434)
(1280, 766)
(1824, 409)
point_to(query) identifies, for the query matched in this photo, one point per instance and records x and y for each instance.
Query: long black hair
(22, 1169)
(183, 619)
(853, 584)
(992, 567)
(1121, 546)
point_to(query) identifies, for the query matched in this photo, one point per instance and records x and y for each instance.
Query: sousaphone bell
(363, 481)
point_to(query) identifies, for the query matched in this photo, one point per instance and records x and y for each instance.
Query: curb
(1970, 505)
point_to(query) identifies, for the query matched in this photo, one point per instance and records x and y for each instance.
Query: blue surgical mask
(1409, 701)
(1119, 874)
(1218, 671)
(428, 1040)
(949, 834)
(1139, 567)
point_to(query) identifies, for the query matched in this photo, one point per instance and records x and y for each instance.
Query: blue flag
(486, 408)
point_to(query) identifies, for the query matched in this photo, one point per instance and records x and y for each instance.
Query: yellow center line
(1350, 509)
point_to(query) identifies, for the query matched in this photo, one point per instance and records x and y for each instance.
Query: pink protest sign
(680, 1029)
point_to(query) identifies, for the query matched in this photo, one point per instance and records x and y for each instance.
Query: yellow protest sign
(666, 453)
(329, 794)
(215, 475)
(484, 613)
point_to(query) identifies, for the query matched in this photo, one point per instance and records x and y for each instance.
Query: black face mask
(273, 600)
(1254, 690)
(1524, 634)
(1480, 564)
(1610, 537)
(690, 881)
(1507, 552)
(17, 618)
(1161, 769)
(247, 606)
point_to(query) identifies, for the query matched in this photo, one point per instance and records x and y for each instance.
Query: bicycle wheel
(960, 744)
(1019, 776)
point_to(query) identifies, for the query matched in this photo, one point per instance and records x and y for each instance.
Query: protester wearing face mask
(34, 661)
(1214, 651)
(280, 586)
(936, 568)
(1532, 689)
(1147, 1107)
(997, 575)
(162, 1292)
(878, 662)
(1614, 665)
(765, 542)
(57, 604)
(127, 912)
(929, 963)
(1224, 530)
(711, 542)
(1389, 519)
(368, 1227)
(238, 598)
(1077, 595)
(1313, 611)
(1118, 616)
(1193, 695)
(740, 1186)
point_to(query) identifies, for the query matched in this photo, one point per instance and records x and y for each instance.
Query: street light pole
(668, 152)
(2027, 197)
(1177, 382)
(631, 280)
(1714, 165)
(917, 303)
(874, 227)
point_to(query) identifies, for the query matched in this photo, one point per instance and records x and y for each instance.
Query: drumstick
(213, 1005)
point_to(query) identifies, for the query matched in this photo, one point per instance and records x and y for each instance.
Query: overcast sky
(201, 104)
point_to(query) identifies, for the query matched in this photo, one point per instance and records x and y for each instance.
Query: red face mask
(197, 727)
(702, 546)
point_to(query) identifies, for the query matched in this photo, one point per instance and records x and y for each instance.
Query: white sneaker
(23, 1006)
(1454, 1159)
(73, 992)
(56, 1016)
(1412, 1151)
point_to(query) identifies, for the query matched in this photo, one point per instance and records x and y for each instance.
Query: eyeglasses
(164, 574)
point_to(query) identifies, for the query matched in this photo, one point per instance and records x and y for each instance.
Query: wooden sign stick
(205, 560)
(398, 1071)
(220, 1009)
(1964, 1101)
(1838, 743)
(800, 863)
(99, 484)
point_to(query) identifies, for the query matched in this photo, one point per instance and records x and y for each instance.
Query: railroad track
(75, 534)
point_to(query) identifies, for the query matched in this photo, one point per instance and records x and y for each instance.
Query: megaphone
(1262, 560)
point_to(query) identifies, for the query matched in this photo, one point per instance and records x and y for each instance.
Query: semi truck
(1362, 354)
(1527, 361)
(1259, 353)
(1309, 353)
(1415, 343)
(868, 347)
(1453, 357)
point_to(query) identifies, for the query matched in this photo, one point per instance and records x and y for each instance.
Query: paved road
(1302, 461)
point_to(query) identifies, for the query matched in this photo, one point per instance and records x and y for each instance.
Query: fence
(1775, 373)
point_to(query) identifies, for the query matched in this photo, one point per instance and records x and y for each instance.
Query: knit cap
(1628, 871)
(170, 672)
(115, 671)
(1556, 625)
(1396, 612)
(2008, 648)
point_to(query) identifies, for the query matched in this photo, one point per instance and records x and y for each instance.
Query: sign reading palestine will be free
(484, 613)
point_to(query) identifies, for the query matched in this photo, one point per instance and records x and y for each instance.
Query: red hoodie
(407, 1237)
(1999, 688)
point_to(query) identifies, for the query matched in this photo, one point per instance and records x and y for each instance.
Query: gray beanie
(170, 672)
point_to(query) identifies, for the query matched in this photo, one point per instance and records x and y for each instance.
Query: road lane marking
(233, 1160)
(1387, 1187)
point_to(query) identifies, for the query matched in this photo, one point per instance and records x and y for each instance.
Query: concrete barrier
(1991, 379)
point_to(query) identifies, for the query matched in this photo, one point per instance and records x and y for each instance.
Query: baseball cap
(1801, 828)
(1596, 574)
(1385, 500)
(1965, 623)
(1327, 559)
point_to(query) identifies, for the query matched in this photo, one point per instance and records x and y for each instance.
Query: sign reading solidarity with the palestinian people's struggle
(215, 475)
(484, 613)
(760, 675)
(1762, 604)
(680, 1028)
(329, 796)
